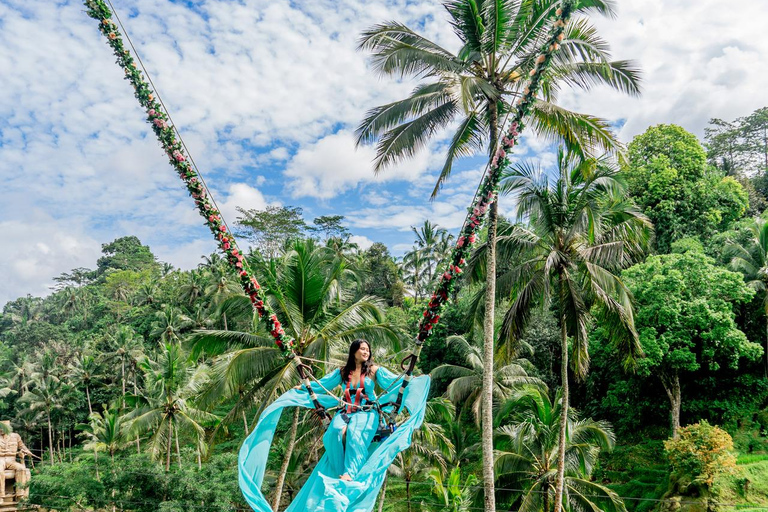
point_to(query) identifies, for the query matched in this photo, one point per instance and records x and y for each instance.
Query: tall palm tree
(580, 232)
(85, 370)
(415, 265)
(126, 347)
(528, 455)
(167, 411)
(477, 86)
(427, 239)
(313, 291)
(46, 397)
(466, 384)
(751, 259)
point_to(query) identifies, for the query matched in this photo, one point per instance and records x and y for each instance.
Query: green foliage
(134, 482)
(685, 313)
(739, 146)
(382, 277)
(699, 454)
(527, 453)
(125, 253)
(272, 227)
(669, 178)
(331, 226)
(638, 472)
(451, 495)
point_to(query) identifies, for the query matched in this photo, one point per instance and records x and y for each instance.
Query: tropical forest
(597, 343)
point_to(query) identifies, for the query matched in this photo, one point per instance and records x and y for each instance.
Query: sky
(267, 95)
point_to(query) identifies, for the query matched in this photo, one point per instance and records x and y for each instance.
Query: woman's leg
(360, 431)
(333, 440)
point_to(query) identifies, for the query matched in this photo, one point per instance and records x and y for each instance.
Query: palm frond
(406, 139)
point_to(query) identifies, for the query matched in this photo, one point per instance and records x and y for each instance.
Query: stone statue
(11, 447)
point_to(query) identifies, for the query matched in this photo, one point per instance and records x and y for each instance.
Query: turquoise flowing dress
(366, 462)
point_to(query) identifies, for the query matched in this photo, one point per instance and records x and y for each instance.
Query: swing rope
(179, 157)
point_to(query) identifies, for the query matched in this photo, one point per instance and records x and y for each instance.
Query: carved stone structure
(14, 475)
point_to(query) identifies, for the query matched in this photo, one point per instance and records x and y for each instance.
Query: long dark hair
(351, 364)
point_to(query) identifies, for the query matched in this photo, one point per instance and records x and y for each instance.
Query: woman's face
(363, 353)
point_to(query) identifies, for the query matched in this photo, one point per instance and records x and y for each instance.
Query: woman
(350, 433)
(350, 473)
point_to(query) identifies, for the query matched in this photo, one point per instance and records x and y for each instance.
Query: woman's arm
(328, 381)
(384, 377)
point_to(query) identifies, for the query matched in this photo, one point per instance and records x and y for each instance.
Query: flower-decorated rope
(487, 191)
(174, 148)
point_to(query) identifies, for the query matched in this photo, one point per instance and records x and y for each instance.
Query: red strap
(359, 395)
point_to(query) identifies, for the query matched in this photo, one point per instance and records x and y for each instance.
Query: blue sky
(267, 95)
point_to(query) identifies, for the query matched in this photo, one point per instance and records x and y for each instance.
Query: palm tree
(414, 265)
(580, 233)
(528, 455)
(85, 370)
(751, 259)
(16, 380)
(451, 495)
(23, 310)
(466, 384)
(106, 432)
(170, 324)
(47, 396)
(313, 291)
(167, 411)
(127, 348)
(68, 300)
(147, 292)
(193, 287)
(222, 287)
(500, 42)
(427, 238)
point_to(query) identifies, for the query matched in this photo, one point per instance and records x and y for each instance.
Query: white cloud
(363, 242)
(244, 196)
(696, 64)
(333, 165)
(38, 248)
(266, 95)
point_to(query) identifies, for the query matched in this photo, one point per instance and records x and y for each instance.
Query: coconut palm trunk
(560, 478)
(88, 397)
(50, 438)
(286, 460)
(168, 448)
(178, 451)
(488, 340)
(382, 494)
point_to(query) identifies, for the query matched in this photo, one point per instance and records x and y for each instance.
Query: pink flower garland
(159, 122)
(487, 189)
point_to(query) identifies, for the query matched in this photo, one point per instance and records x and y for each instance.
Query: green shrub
(699, 454)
